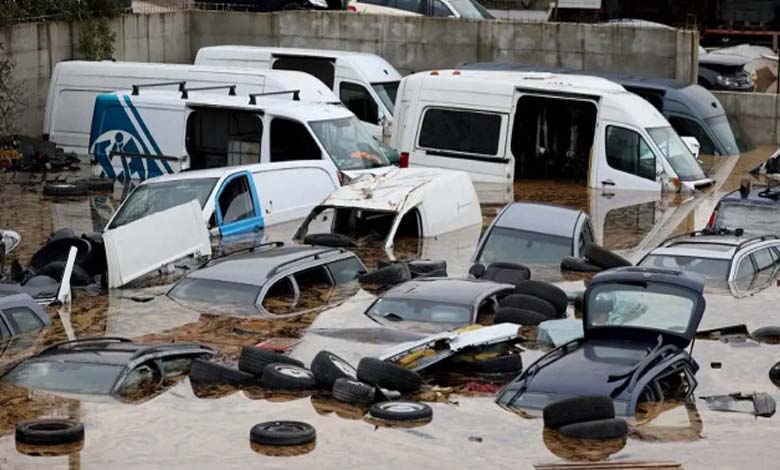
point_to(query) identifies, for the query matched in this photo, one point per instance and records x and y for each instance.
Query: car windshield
(420, 311)
(754, 219)
(151, 198)
(643, 305)
(66, 377)
(676, 153)
(190, 290)
(349, 144)
(730, 134)
(470, 9)
(715, 269)
(387, 92)
(518, 246)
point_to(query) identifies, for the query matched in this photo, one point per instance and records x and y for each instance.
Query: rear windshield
(387, 92)
(207, 291)
(151, 198)
(715, 269)
(66, 377)
(420, 311)
(517, 246)
(755, 220)
(349, 144)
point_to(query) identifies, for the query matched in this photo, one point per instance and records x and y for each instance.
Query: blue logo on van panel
(115, 138)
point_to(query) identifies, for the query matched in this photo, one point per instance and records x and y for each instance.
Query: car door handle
(608, 183)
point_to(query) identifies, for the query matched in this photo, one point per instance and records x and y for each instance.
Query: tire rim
(343, 366)
(293, 371)
(285, 427)
(402, 407)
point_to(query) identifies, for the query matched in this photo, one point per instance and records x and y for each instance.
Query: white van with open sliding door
(505, 126)
(365, 83)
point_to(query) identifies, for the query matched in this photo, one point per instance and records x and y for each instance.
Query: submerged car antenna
(137, 88)
(296, 95)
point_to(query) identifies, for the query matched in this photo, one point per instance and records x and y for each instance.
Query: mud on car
(637, 324)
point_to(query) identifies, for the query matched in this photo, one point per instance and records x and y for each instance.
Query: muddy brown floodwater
(177, 429)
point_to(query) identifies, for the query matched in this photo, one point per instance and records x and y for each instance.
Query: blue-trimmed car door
(253, 222)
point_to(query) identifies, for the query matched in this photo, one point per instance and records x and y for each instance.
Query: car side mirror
(693, 145)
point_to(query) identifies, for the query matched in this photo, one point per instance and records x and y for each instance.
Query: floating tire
(47, 432)
(578, 410)
(98, 184)
(767, 334)
(427, 268)
(328, 367)
(254, 360)
(55, 270)
(530, 302)
(579, 265)
(388, 375)
(65, 190)
(545, 291)
(335, 240)
(353, 392)
(388, 275)
(282, 376)
(401, 411)
(774, 374)
(604, 258)
(206, 372)
(59, 249)
(518, 316)
(602, 429)
(282, 433)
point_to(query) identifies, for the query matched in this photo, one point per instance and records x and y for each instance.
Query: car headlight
(726, 81)
(319, 3)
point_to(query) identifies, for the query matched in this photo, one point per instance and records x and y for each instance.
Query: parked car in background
(527, 233)
(20, 314)
(274, 5)
(366, 83)
(75, 84)
(754, 209)
(718, 71)
(440, 8)
(272, 280)
(115, 367)
(726, 257)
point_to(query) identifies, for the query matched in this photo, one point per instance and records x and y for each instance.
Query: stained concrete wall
(36, 47)
(757, 113)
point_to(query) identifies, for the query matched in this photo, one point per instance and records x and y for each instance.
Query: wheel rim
(402, 407)
(285, 427)
(292, 371)
(343, 366)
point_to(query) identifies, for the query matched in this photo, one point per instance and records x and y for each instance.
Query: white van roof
(281, 105)
(252, 168)
(374, 69)
(494, 87)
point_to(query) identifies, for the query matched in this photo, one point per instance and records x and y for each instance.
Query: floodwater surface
(179, 429)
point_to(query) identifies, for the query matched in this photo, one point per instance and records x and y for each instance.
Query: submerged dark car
(752, 208)
(637, 323)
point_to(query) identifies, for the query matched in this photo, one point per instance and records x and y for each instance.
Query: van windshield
(730, 134)
(387, 92)
(350, 146)
(676, 153)
(151, 198)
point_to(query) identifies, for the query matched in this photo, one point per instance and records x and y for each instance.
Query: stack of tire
(50, 260)
(585, 417)
(390, 273)
(531, 303)
(597, 258)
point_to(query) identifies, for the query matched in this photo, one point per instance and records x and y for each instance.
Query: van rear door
(323, 68)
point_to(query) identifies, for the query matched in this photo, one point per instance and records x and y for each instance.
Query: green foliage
(12, 96)
(96, 41)
(66, 10)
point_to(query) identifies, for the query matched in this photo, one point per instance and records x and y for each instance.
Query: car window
(281, 296)
(4, 331)
(22, 319)
(420, 311)
(387, 92)
(345, 270)
(221, 137)
(716, 269)
(745, 268)
(176, 365)
(358, 100)
(235, 201)
(518, 246)
(627, 151)
(441, 10)
(462, 131)
(322, 68)
(68, 377)
(140, 381)
(689, 127)
(291, 141)
(763, 259)
(215, 292)
(406, 5)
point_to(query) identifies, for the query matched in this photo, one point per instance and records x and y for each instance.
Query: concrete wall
(36, 47)
(757, 113)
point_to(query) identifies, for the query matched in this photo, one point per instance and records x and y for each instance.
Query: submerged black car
(637, 324)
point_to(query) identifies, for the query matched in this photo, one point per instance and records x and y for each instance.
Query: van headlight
(319, 3)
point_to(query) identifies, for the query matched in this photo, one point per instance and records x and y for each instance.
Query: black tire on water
(55, 270)
(604, 258)
(282, 433)
(578, 410)
(254, 360)
(518, 316)
(328, 368)
(388, 275)
(401, 411)
(208, 372)
(65, 190)
(545, 291)
(288, 377)
(602, 429)
(47, 432)
(388, 375)
(579, 265)
(530, 302)
(353, 391)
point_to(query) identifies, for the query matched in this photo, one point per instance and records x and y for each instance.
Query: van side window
(627, 151)
(235, 201)
(219, 137)
(460, 131)
(358, 100)
(290, 141)
(324, 69)
(689, 127)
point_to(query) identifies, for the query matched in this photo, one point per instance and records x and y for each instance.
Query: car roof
(445, 290)
(108, 350)
(708, 246)
(642, 274)
(230, 170)
(257, 267)
(540, 218)
(751, 197)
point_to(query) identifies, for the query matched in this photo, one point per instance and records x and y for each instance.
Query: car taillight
(351, 8)
(404, 161)
(713, 216)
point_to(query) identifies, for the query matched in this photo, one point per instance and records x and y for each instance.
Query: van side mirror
(693, 145)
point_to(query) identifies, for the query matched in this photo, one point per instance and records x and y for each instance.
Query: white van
(148, 133)
(75, 84)
(365, 83)
(144, 233)
(504, 126)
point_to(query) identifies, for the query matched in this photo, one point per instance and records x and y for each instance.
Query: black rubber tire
(511, 363)
(438, 273)
(578, 410)
(388, 375)
(767, 334)
(529, 302)
(545, 291)
(427, 268)
(518, 316)
(401, 411)
(477, 270)
(209, 372)
(774, 374)
(578, 265)
(604, 258)
(58, 250)
(353, 391)
(98, 184)
(328, 367)
(54, 270)
(601, 429)
(388, 275)
(59, 234)
(335, 240)
(282, 433)
(282, 376)
(254, 360)
(49, 432)
(65, 190)
(521, 272)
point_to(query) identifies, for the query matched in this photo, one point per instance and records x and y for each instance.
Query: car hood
(723, 59)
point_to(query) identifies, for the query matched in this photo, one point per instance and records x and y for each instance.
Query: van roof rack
(137, 88)
(185, 91)
(296, 95)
